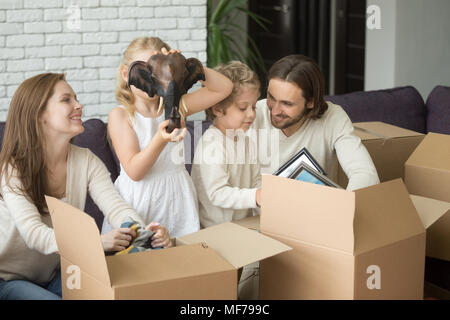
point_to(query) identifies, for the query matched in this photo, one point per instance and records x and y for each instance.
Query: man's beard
(290, 122)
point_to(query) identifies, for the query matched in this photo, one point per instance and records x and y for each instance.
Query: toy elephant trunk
(168, 76)
(172, 99)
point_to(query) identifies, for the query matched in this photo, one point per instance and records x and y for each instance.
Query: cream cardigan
(28, 249)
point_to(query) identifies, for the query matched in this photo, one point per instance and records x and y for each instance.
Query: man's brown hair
(306, 74)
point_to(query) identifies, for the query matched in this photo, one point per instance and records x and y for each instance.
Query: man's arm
(352, 154)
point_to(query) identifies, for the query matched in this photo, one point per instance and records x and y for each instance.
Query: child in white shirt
(225, 169)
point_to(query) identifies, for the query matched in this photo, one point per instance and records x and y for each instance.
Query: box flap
(166, 264)
(435, 216)
(432, 152)
(308, 212)
(249, 223)
(384, 214)
(78, 239)
(238, 245)
(377, 130)
(429, 210)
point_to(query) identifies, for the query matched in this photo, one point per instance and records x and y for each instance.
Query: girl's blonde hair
(240, 75)
(123, 93)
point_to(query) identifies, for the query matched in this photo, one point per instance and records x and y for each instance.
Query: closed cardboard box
(366, 244)
(388, 145)
(427, 171)
(194, 269)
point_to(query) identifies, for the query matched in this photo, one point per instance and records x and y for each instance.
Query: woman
(38, 159)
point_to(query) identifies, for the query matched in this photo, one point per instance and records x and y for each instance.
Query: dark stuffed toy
(142, 241)
(168, 76)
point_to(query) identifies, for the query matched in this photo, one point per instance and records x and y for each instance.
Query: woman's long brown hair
(23, 140)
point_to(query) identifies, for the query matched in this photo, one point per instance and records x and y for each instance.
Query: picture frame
(303, 156)
(306, 173)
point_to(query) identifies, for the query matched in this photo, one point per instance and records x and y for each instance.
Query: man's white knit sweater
(328, 139)
(28, 248)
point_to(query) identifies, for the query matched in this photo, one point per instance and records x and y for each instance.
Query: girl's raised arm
(216, 87)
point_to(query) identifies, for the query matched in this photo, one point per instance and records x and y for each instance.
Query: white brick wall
(38, 36)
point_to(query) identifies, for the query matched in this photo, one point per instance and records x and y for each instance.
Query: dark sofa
(403, 107)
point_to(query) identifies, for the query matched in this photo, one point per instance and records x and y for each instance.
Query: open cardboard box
(251, 223)
(366, 244)
(202, 265)
(427, 171)
(435, 216)
(388, 145)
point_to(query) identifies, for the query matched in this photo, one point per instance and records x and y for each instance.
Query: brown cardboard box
(388, 145)
(427, 171)
(367, 244)
(251, 223)
(190, 271)
(435, 216)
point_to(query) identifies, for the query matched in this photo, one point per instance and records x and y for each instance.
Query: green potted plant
(226, 39)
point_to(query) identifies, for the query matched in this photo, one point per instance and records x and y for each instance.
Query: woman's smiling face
(62, 114)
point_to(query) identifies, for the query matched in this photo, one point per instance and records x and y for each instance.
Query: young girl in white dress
(152, 180)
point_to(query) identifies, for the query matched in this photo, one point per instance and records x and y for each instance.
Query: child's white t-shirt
(226, 175)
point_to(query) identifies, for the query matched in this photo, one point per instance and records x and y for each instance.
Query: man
(297, 115)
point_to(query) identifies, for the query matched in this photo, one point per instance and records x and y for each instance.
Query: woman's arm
(116, 210)
(216, 87)
(136, 162)
(105, 195)
(27, 219)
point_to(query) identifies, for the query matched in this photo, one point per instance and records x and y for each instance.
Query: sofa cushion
(196, 128)
(438, 108)
(402, 107)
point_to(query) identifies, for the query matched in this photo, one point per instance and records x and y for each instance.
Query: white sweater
(28, 249)
(328, 139)
(225, 178)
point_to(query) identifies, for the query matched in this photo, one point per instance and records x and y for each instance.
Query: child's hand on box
(161, 238)
(117, 239)
(258, 197)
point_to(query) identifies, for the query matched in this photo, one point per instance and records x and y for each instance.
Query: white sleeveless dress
(166, 194)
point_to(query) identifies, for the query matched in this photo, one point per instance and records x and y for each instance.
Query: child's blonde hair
(123, 93)
(240, 75)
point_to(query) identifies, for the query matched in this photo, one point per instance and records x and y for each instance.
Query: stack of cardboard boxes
(315, 242)
(367, 244)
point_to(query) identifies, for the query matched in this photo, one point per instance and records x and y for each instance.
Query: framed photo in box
(306, 173)
(303, 156)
